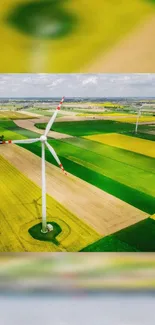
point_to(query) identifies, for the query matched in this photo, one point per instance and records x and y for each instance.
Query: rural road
(100, 210)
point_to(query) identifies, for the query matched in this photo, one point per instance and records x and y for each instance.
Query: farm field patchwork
(87, 127)
(138, 237)
(114, 169)
(113, 164)
(90, 127)
(11, 131)
(109, 166)
(10, 134)
(20, 209)
(142, 146)
(99, 165)
(111, 214)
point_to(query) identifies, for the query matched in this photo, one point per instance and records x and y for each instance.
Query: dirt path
(102, 211)
(134, 54)
(29, 125)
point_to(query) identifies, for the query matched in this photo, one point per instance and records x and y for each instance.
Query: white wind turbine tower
(44, 144)
(138, 116)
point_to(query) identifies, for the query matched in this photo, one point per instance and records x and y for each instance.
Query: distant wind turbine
(43, 139)
(138, 116)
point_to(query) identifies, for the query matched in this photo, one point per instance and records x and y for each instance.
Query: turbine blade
(20, 141)
(55, 156)
(26, 140)
(51, 121)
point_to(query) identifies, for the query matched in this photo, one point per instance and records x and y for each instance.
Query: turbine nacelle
(43, 138)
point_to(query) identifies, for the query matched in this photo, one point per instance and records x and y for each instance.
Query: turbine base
(49, 228)
(44, 231)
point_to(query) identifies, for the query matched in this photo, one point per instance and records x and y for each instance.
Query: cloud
(57, 82)
(78, 85)
(90, 80)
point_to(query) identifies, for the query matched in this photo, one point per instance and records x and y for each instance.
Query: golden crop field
(106, 23)
(153, 217)
(12, 115)
(142, 146)
(124, 117)
(106, 114)
(133, 119)
(20, 209)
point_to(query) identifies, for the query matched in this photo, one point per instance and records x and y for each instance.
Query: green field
(139, 237)
(107, 168)
(83, 128)
(119, 172)
(11, 131)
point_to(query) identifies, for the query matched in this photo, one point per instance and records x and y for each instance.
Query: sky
(77, 85)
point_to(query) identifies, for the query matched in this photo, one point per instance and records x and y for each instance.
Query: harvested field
(100, 210)
(142, 146)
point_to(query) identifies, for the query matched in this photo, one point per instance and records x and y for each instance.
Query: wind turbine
(44, 144)
(138, 116)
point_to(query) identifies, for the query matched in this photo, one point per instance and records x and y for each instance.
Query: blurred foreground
(68, 273)
(63, 287)
(77, 36)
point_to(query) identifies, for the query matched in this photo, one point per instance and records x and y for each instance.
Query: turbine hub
(43, 138)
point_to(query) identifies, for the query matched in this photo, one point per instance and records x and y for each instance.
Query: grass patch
(109, 244)
(82, 128)
(139, 237)
(36, 233)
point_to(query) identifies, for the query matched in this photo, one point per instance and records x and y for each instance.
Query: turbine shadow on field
(37, 206)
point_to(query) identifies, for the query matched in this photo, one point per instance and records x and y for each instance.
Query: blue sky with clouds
(77, 85)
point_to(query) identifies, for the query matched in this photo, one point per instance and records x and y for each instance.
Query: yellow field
(12, 115)
(142, 146)
(124, 117)
(153, 217)
(106, 114)
(134, 119)
(20, 209)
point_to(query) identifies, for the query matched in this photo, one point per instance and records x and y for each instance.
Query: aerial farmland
(106, 201)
